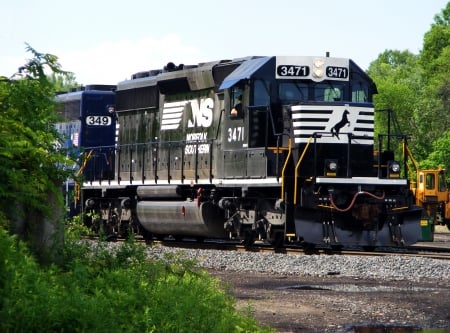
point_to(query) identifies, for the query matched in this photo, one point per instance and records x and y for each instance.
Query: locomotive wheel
(110, 228)
(249, 238)
(147, 235)
(134, 226)
(111, 237)
(278, 240)
(125, 230)
(160, 237)
(308, 247)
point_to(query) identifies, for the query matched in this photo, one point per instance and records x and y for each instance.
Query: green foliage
(398, 79)
(96, 290)
(30, 162)
(417, 89)
(436, 40)
(435, 101)
(63, 83)
(439, 155)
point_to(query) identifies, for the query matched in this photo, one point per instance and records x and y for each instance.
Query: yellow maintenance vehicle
(431, 192)
(429, 188)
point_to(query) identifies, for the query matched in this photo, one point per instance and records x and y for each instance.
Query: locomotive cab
(311, 127)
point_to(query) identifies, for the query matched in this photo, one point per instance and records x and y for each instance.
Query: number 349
(98, 120)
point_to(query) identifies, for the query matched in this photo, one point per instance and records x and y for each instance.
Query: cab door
(234, 135)
(260, 131)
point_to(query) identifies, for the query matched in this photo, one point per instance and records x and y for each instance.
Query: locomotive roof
(193, 73)
(201, 76)
(76, 93)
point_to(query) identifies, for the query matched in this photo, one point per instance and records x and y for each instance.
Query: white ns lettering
(201, 115)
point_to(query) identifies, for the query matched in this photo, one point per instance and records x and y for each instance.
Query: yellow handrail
(416, 167)
(77, 186)
(298, 166)
(83, 166)
(285, 166)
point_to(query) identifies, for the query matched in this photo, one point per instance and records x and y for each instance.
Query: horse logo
(336, 128)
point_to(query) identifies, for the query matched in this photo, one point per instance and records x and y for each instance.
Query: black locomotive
(272, 148)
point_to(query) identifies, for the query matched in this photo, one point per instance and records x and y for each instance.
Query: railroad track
(437, 251)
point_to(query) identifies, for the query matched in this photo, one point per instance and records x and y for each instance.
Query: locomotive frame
(272, 148)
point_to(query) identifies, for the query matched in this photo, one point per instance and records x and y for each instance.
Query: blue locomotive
(277, 148)
(88, 128)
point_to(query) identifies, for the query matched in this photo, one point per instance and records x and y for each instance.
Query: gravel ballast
(392, 267)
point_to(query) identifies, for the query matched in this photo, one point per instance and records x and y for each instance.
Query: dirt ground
(336, 304)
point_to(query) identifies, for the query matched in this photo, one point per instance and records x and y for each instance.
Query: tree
(440, 156)
(436, 40)
(435, 60)
(63, 83)
(417, 89)
(398, 79)
(30, 162)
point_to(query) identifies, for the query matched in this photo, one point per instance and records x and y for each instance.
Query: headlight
(318, 68)
(393, 169)
(331, 166)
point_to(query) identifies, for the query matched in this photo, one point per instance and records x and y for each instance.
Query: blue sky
(107, 41)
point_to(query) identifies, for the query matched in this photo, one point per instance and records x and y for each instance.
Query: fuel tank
(182, 218)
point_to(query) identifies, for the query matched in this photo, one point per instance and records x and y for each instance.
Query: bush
(99, 291)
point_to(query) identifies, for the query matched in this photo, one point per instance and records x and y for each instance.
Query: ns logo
(202, 115)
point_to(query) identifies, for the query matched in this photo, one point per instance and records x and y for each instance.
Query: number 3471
(235, 134)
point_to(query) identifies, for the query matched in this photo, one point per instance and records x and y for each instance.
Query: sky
(105, 42)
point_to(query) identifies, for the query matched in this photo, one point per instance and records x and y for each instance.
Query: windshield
(302, 91)
(329, 92)
(293, 91)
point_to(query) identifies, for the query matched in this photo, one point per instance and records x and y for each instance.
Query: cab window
(360, 92)
(261, 95)
(329, 92)
(442, 182)
(236, 102)
(429, 181)
(293, 91)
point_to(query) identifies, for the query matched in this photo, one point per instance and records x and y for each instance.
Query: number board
(337, 72)
(98, 120)
(313, 68)
(293, 70)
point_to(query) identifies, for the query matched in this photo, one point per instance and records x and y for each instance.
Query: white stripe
(317, 124)
(170, 121)
(172, 115)
(300, 116)
(174, 104)
(361, 180)
(173, 110)
(168, 127)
